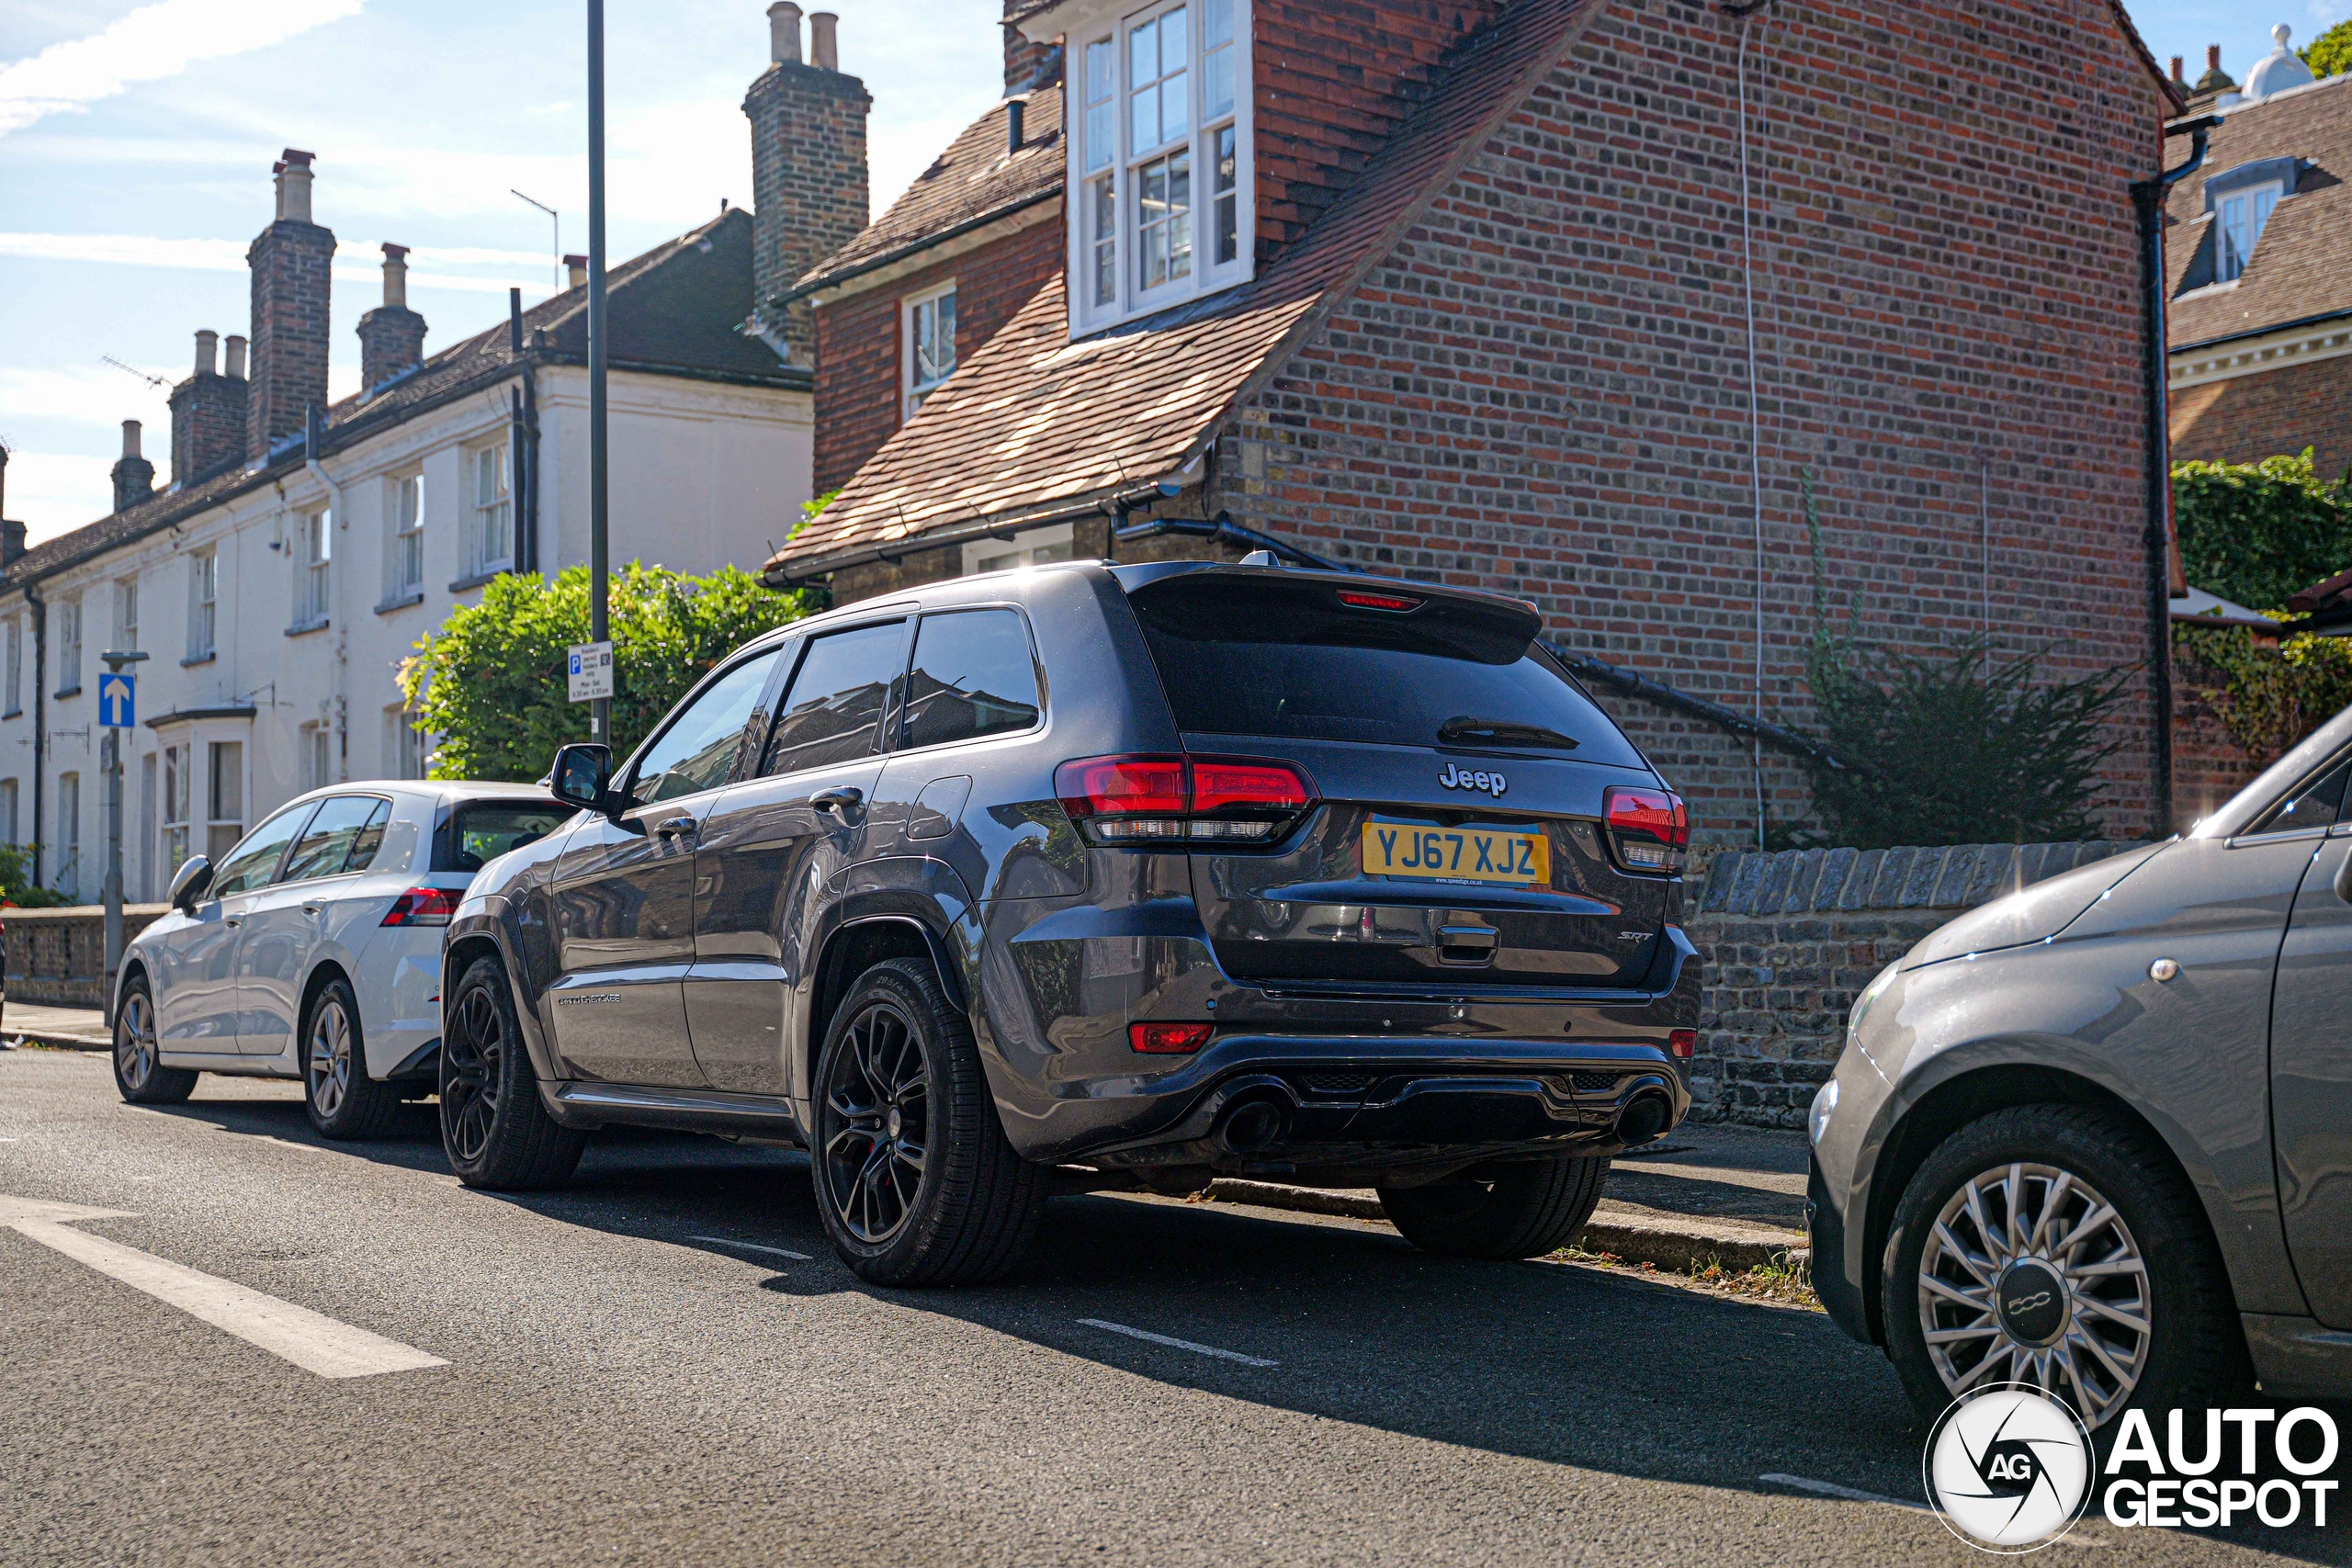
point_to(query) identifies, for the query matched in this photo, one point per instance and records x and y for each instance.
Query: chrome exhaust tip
(1252, 1126)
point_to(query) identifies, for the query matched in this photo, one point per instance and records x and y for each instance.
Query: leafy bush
(2272, 695)
(2330, 54)
(1959, 748)
(2256, 533)
(489, 685)
(16, 880)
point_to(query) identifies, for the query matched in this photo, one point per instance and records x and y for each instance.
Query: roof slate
(2298, 269)
(1033, 423)
(673, 309)
(972, 182)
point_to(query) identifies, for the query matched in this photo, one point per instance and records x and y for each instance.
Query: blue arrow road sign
(118, 700)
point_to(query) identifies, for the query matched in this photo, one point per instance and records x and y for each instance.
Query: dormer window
(2240, 216)
(1160, 159)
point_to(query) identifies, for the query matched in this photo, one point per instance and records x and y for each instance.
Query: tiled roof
(673, 309)
(2300, 268)
(974, 181)
(1034, 424)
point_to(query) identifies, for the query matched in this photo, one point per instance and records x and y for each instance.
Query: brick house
(1574, 300)
(2261, 262)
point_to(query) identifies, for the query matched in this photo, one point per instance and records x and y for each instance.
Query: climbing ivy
(2269, 695)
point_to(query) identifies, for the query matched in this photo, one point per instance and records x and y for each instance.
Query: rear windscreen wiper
(1464, 730)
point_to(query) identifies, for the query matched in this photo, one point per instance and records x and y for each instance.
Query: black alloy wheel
(879, 1097)
(494, 1129)
(915, 1179)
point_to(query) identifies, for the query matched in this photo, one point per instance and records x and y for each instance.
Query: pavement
(222, 1341)
(75, 1028)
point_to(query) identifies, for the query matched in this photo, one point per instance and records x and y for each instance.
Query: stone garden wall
(1791, 938)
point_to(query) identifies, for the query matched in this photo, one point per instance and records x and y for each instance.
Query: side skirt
(760, 1116)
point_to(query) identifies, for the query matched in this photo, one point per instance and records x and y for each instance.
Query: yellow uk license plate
(1457, 854)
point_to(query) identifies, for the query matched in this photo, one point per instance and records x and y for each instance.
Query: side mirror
(583, 777)
(189, 884)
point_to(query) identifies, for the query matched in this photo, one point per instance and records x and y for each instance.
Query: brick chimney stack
(134, 476)
(209, 413)
(392, 336)
(1028, 66)
(807, 169)
(291, 261)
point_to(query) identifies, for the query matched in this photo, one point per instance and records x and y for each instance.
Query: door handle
(840, 800)
(232, 921)
(675, 828)
(314, 908)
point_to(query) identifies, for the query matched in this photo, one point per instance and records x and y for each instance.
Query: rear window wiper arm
(1462, 729)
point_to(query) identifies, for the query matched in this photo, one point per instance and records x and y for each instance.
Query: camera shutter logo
(2009, 1468)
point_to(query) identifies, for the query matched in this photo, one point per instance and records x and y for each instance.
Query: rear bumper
(1344, 1103)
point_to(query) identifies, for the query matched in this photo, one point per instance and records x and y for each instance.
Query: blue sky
(135, 140)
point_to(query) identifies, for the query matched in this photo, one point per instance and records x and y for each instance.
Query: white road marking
(1831, 1489)
(753, 1247)
(1176, 1343)
(313, 1341)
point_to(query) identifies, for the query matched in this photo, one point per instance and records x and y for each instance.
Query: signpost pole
(600, 725)
(116, 714)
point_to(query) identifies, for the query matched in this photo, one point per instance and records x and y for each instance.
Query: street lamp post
(600, 726)
(111, 760)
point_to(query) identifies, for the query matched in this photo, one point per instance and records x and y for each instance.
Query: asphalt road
(626, 1378)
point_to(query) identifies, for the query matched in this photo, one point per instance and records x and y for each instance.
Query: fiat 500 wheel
(2055, 1246)
(915, 1181)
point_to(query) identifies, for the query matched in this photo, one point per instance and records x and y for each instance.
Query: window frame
(15, 667)
(11, 799)
(204, 605)
(2228, 266)
(1084, 174)
(313, 584)
(178, 792)
(478, 562)
(404, 535)
(896, 737)
(66, 874)
(69, 647)
(910, 307)
(126, 613)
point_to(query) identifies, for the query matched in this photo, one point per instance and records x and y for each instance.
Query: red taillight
(1129, 800)
(424, 907)
(1395, 603)
(1649, 829)
(1167, 1039)
(1682, 1044)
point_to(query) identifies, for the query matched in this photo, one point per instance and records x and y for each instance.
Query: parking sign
(589, 670)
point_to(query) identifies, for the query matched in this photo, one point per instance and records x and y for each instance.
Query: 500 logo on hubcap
(2009, 1468)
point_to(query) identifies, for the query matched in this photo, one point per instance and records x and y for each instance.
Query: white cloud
(91, 394)
(149, 44)
(55, 492)
(352, 265)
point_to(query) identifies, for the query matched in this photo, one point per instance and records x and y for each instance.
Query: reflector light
(1167, 1039)
(1682, 1044)
(424, 907)
(1397, 602)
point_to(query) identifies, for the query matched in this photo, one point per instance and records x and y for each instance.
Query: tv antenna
(162, 381)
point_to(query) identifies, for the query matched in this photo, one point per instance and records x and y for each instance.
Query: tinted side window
(326, 846)
(973, 676)
(254, 863)
(698, 750)
(834, 713)
(2319, 804)
(479, 833)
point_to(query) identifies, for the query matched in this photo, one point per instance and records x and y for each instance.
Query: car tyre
(139, 1075)
(1514, 1209)
(494, 1128)
(915, 1181)
(342, 1099)
(1952, 1254)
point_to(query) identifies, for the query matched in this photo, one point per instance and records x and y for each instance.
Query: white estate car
(313, 949)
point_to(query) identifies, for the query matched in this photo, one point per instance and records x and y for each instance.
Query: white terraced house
(302, 548)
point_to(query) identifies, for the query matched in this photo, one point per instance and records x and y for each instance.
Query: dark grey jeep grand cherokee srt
(1092, 876)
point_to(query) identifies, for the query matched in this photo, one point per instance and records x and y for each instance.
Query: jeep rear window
(479, 831)
(1256, 656)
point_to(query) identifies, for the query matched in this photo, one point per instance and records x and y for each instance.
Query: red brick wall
(1559, 410)
(859, 369)
(2208, 767)
(2249, 418)
(809, 184)
(1334, 80)
(292, 265)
